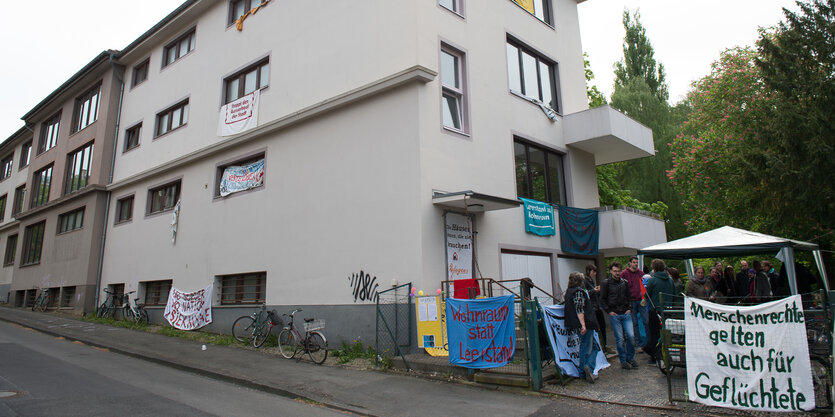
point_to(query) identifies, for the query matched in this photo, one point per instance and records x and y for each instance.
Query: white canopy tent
(730, 241)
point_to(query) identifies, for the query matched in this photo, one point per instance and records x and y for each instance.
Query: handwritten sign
(539, 218)
(481, 332)
(240, 178)
(566, 344)
(459, 246)
(748, 358)
(189, 310)
(239, 115)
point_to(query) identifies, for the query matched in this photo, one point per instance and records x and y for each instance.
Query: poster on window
(459, 246)
(189, 310)
(240, 178)
(240, 115)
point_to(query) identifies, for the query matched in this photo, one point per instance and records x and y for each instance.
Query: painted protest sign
(239, 178)
(240, 115)
(539, 218)
(566, 344)
(459, 246)
(579, 230)
(481, 332)
(748, 358)
(189, 310)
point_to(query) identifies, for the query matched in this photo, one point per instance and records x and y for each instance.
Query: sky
(44, 46)
(687, 36)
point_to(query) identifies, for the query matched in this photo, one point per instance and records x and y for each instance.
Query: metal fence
(394, 323)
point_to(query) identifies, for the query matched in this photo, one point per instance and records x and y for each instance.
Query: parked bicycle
(43, 300)
(313, 342)
(255, 327)
(134, 312)
(819, 337)
(110, 304)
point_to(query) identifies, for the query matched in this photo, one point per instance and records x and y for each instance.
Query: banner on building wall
(240, 115)
(459, 246)
(539, 218)
(526, 4)
(481, 332)
(240, 178)
(579, 230)
(189, 310)
(431, 325)
(566, 344)
(748, 358)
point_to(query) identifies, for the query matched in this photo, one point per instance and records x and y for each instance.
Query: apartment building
(309, 160)
(16, 153)
(62, 203)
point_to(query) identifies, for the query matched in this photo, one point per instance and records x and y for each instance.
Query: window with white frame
(453, 96)
(73, 220)
(6, 165)
(49, 133)
(86, 109)
(539, 8)
(531, 75)
(454, 6)
(25, 154)
(79, 165)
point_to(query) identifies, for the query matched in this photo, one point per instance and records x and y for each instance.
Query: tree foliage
(638, 61)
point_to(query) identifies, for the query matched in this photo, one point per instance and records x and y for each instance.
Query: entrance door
(533, 266)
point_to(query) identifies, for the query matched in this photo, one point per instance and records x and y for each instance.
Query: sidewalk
(361, 392)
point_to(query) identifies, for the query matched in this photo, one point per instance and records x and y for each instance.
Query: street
(41, 375)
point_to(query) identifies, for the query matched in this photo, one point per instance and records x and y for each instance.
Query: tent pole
(688, 264)
(787, 256)
(821, 270)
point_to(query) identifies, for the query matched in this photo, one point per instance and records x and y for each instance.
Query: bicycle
(291, 341)
(255, 327)
(136, 312)
(109, 306)
(819, 338)
(42, 301)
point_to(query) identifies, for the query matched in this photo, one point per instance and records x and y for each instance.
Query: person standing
(696, 285)
(760, 288)
(742, 289)
(633, 275)
(659, 286)
(616, 300)
(718, 286)
(582, 321)
(591, 286)
(777, 287)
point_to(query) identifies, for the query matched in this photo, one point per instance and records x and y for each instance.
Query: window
(67, 295)
(25, 154)
(451, 5)
(140, 72)
(539, 8)
(237, 8)
(6, 164)
(19, 198)
(118, 291)
(3, 207)
(453, 97)
(41, 183)
(252, 78)
(49, 133)
(73, 220)
(531, 75)
(243, 288)
(79, 164)
(172, 118)
(32, 243)
(240, 175)
(132, 137)
(539, 173)
(11, 249)
(156, 292)
(86, 109)
(124, 209)
(164, 198)
(178, 49)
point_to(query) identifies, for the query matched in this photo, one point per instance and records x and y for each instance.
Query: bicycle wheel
(142, 317)
(821, 379)
(317, 347)
(288, 343)
(45, 303)
(128, 314)
(261, 334)
(36, 303)
(242, 328)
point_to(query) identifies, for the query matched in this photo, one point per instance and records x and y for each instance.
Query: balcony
(625, 230)
(608, 134)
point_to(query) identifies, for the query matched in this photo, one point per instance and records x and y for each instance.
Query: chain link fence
(394, 324)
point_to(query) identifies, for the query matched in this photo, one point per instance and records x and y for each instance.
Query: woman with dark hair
(718, 288)
(591, 286)
(676, 276)
(581, 321)
(696, 285)
(730, 279)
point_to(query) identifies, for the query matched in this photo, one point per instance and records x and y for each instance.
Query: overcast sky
(44, 43)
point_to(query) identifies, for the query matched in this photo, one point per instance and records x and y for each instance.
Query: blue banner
(539, 218)
(481, 333)
(566, 344)
(579, 230)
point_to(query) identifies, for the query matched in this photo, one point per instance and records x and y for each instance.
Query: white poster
(239, 178)
(748, 358)
(189, 310)
(459, 247)
(566, 344)
(239, 115)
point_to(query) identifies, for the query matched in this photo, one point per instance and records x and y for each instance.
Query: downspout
(109, 179)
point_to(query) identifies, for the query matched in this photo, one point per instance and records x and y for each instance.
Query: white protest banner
(459, 247)
(189, 310)
(748, 358)
(240, 115)
(566, 344)
(240, 178)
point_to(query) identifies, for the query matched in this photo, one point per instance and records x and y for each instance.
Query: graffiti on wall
(364, 286)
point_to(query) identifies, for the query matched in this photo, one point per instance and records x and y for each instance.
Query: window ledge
(69, 231)
(123, 222)
(530, 100)
(128, 150)
(455, 131)
(81, 130)
(32, 264)
(170, 131)
(158, 213)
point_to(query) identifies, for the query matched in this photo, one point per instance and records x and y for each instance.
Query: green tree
(638, 61)
(596, 98)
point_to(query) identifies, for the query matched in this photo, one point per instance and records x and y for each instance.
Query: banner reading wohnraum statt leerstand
(482, 332)
(748, 358)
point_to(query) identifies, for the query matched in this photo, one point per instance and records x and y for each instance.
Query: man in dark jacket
(616, 301)
(659, 286)
(742, 287)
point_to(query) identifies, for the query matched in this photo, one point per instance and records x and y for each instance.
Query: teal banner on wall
(539, 218)
(579, 230)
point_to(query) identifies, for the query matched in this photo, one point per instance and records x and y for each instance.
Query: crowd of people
(725, 286)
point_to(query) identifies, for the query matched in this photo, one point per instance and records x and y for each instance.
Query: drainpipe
(109, 179)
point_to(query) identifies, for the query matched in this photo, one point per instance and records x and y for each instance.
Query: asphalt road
(41, 375)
